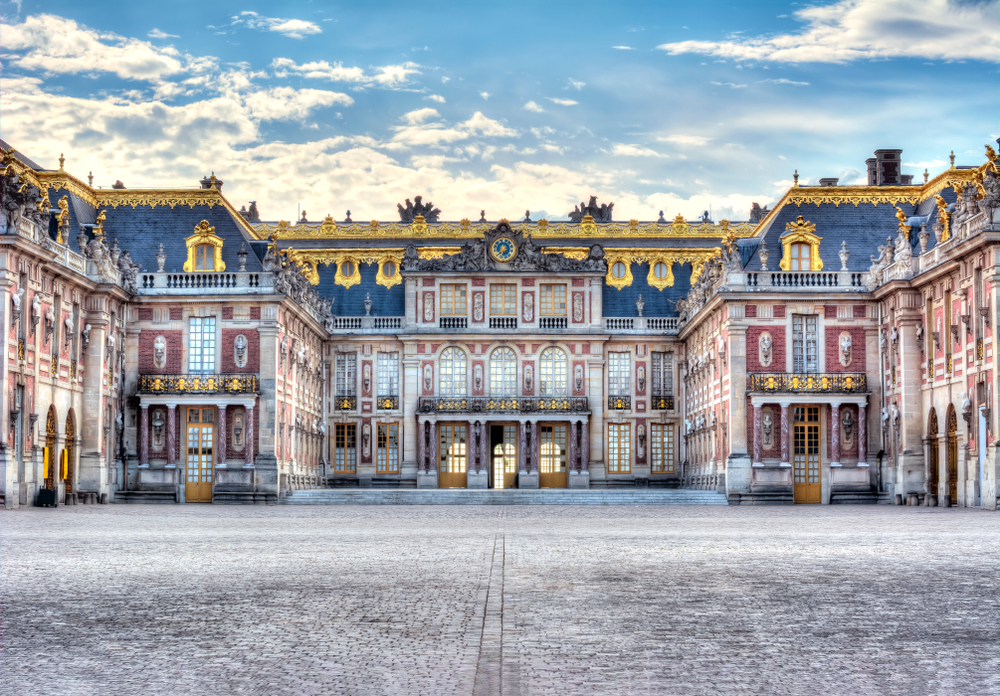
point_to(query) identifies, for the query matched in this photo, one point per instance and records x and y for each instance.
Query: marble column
(248, 438)
(757, 456)
(862, 435)
(571, 448)
(433, 464)
(171, 435)
(471, 447)
(536, 448)
(584, 446)
(784, 434)
(943, 492)
(221, 456)
(421, 442)
(522, 447)
(144, 436)
(835, 434)
(927, 468)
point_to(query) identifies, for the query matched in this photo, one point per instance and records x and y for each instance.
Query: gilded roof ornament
(801, 225)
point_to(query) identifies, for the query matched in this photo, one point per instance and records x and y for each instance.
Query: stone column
(596, 302)
(784, 434)
(835, 434)
(862, 435)
(927, 470)
(484, 447)
(943, 492)
(522, 447)
(571, 448)
(536, 449)
(433, 447)
(471, 447)
(584, 446)
(248, 438)
(171, 435)
(757, 453)
(911, 417)
(144, 435)
(421, 459)
(221, 456)
(93, 464)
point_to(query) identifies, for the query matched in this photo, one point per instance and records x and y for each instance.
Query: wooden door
(552, 460)
(453, 453)
(199, 464)
(952, 455)
(503, 445)
(806, 455)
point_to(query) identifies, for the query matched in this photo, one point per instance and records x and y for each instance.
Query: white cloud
(420, 131)
(157, 34)
(576, 84)
(292, 28)
(783, 81)
(532, 106)
(286, 103)
(388, 76)
(931, 164)
(678, 139)
(435, 98)
(852, 30)
(727, 84)
(634, 151)
(623, 48)
(485, 95)
(561, 102)
(420, 115)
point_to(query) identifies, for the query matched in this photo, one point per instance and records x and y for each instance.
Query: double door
(805, 454)
(503, 455)
(552, 456)
(198, 460)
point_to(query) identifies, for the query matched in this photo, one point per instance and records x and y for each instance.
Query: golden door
(200, 432)
(503, 441)
(552, 462)
(453, 452)
(806, 455)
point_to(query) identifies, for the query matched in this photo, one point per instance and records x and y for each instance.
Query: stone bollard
(899, 499)
(104, 498)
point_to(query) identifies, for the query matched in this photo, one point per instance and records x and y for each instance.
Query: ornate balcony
(814, 383)
(345, 403)
(619, 403)
(662, 403)
(387, 403)
(503, 404)
(199, 384)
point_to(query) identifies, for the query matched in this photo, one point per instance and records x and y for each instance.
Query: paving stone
(507, 600)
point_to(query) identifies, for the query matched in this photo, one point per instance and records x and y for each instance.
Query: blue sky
(505, 107)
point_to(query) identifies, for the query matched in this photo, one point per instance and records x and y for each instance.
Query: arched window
(204, 257)
(554, 373)
(503, 372)
(451, 373)
(800, 254)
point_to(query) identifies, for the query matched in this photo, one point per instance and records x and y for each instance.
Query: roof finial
(926, 175)
(90, 179)
(952, 158)
(62, 161)
(796, 178)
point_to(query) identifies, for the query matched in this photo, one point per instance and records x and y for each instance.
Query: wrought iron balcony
(345, 403)
(619, 403)
(503, 404)
(199, 384)
(662, 403)
(818, 383)
(387, 403)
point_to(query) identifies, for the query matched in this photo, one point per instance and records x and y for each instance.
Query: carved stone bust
(240, 345)
(160, 352)
(764, 349)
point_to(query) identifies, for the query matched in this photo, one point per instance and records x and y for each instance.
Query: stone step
(501, 497)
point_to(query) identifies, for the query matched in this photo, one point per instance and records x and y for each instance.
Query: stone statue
(366, 379)
(159, 351)
(640, 378)
(885, 419)
(765, 349)
(477, 377)
(428, 211)
(161, 260)
(687, 425)
(757, 213)
(368, 304)
(600, 214)
(848, 422)
(240, 346)
(578, 377)
(844, 255)
(86, 337)
(640, 436)
(845, 349)
(428, 378)
(639, 304)
(763, 255)
(528, 381)
(158, 426)
(367, 439)
(767, 428)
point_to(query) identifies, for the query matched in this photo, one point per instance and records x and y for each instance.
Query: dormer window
(799, 257)
(204, 250)
(204, 257)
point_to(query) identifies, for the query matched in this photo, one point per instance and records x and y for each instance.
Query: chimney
(907, 179)
(207, 182)
(828, 182)
(872, 177)
(886, 164)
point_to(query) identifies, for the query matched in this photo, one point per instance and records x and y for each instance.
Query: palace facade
(163, 346)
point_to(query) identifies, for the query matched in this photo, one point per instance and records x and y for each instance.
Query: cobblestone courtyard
(516, 600)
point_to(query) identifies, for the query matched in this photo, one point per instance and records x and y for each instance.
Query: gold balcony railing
(199, 384)
(503, 404)
(819, 383)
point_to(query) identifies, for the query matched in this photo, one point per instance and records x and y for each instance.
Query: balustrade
(503, 404)
(831, 383)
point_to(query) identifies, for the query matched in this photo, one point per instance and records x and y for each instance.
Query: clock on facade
(503, 249)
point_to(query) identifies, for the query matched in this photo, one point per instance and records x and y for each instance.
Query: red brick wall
(255, 312)
(174, 357)
(859, 311)
(145, 314)
(779, 311)
(829, 311)
(750, 310)
(176, 313)
(228, 362)
(227, 312)
(777, 348)
(857, 363)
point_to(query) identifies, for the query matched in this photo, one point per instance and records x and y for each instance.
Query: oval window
(660, 270)
(347, 269)
(388, 269)
(618, 269)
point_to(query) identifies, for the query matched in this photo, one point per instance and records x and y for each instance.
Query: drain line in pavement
(488, 668)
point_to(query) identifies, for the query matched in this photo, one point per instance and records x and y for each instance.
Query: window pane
(388, 374)
(554, 373)
(387, 448)
(503, 372)
(619, 377)
(452, 370)
(345, 378)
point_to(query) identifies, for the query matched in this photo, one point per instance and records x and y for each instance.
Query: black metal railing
(829, 383)
(664, 402)
(619, 403)
(388, 403)
(503, 404)
(199, 384)
(345, 403)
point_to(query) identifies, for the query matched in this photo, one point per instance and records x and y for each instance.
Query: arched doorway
(69, 459)
(48, 452)
(932, 437)
(952, 455)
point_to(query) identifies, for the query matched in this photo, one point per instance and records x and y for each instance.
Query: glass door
(200, 432)
(503, 440)
(806, 454)
(552, 462)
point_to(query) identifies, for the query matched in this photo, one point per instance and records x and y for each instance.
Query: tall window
(453, 301)
(387, 449)
(619, 374)
(451, 373)
(799, 254)
(345, 457)
(804, 349)
(503, 300)
(553, 301)
(554, 380)
(201, 345)
(663, 374)
(503, 372)
(661, 448)
(346, 368)
(619, 448)
(204, 257)
(388, 375)
(452, 449)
